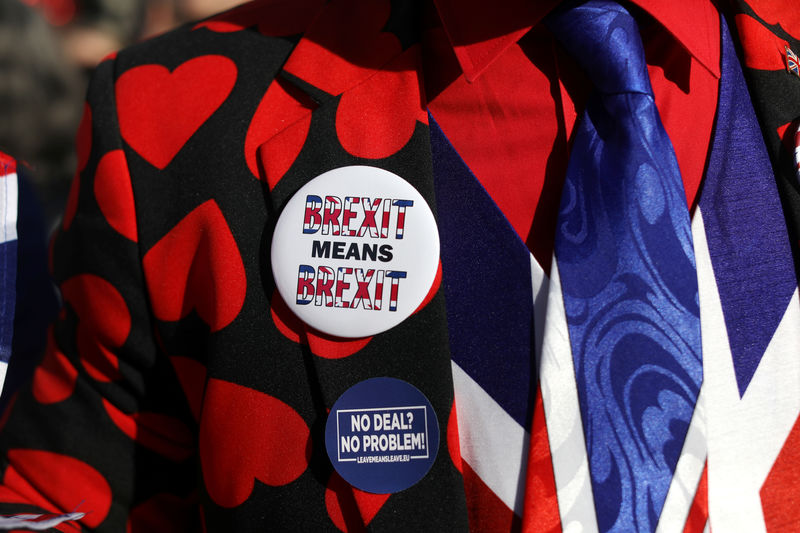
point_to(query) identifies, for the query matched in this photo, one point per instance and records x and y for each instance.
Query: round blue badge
(382, 435)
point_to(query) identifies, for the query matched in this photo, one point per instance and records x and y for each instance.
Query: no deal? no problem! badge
(355, 251)
(382, 435)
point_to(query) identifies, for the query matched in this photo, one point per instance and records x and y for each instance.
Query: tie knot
(604, 39)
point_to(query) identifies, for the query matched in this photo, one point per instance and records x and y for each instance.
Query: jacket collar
(335, 61)
(481, 31)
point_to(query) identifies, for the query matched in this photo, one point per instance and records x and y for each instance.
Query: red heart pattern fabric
(364, 127)
(103, 323)
(161, 433)
(114, 194)
(197, 266)
(270, 443)
(188, 95)
(764, 57)
(775, 12)
(49, 480)
(54, 378)
(276, 110)
(321, 344)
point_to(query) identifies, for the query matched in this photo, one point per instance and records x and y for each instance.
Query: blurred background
(48, 49)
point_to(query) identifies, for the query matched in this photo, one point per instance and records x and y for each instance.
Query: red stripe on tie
(541, 500)
(486, 512)
(779, 491)
(698, 512)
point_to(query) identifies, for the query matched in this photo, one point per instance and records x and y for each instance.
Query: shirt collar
(480, 31)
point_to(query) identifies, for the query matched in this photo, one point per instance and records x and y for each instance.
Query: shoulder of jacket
(257, 33)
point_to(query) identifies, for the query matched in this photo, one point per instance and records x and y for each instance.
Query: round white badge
(355, 251)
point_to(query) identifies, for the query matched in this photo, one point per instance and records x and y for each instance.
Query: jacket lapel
(350, 94)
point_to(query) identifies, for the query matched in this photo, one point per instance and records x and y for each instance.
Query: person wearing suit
(180, 391)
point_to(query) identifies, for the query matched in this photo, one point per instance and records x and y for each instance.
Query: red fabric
(481, 32)
(698, 33)
(277, 155)
(686, 96)
(511, 122)
(765, 50)
(505, 125)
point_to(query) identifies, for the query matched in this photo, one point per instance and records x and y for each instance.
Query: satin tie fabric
(626, 264)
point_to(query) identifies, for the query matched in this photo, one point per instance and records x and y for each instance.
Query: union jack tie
(618, 442)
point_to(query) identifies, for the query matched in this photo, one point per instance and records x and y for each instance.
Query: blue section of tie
(747, 236)
(625, 257)
(486, 275)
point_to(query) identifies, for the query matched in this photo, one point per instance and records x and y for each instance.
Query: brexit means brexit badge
(355, 251)
(382, 435)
